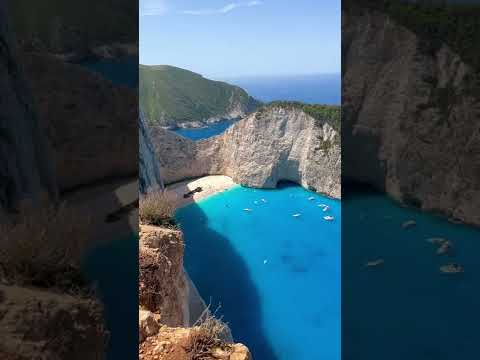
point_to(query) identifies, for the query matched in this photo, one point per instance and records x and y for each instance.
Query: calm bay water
(406, 309)
(206, 132)
(276, 277)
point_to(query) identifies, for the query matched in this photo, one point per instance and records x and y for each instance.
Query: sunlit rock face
(410, 117)
(259, 151)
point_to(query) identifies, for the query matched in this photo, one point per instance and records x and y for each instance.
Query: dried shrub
(157, 209)
(210, 334)
(44, 248)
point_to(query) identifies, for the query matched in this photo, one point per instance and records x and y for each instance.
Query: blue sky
(229, 38)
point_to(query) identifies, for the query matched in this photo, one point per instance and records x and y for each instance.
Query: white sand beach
(210, 185)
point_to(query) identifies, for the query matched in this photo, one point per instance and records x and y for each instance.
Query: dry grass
(209, 335)
(44, 248)
(156, 209)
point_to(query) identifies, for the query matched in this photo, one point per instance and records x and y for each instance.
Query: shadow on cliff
(223, 279)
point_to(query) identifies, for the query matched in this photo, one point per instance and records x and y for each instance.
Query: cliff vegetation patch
(156, 209)
(59, 26)
(329, 113)
(436, 23)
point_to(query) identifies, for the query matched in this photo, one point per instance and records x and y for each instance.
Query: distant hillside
(170, 96)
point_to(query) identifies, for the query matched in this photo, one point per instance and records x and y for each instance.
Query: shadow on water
(222, 278)
(113, 269)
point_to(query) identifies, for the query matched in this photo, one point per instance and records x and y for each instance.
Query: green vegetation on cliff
(329, 113)
(65, 26)
(435, 22)
(170, 96)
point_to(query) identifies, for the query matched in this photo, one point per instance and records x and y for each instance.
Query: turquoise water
(206, 132)
(113, 269)
(406, 309)
(276, 277)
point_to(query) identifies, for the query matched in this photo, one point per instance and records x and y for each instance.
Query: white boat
(328, 218)
(255, 202)
(311, 198)
(265, 261)
(264, 201)
(296, 215)
(321, 205)
(247, 210)
(326, 208)
(409, 224)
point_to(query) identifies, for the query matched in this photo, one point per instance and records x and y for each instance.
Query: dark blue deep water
(204, 133)
(276, 277)
(122, 71)
(113, 269)
(406, 309)
(313, 89)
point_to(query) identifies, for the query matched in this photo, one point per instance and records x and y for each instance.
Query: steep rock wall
(149, 169)
(26, 169)
(163, 287)
(259, 151)
(410, 117)
(91, 123)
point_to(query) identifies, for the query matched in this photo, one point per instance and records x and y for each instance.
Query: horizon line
(248, 75)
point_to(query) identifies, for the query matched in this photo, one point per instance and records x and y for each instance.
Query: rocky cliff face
(149, 177)
(410, 124)
(162, 282)
(26, 169)
(165, 306)
(90, 123)
(259, 151)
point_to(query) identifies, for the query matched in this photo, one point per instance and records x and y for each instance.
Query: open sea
(275, 277)
(311, 89)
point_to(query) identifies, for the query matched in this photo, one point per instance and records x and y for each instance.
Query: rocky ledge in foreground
(164, 314)
(279, 142)
(38, 323)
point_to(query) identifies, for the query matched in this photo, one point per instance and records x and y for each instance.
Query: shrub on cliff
(44, 248)
(156, 209)
(328, 113)
(208, 336)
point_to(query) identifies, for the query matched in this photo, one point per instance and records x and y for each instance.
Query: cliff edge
(273, 144)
